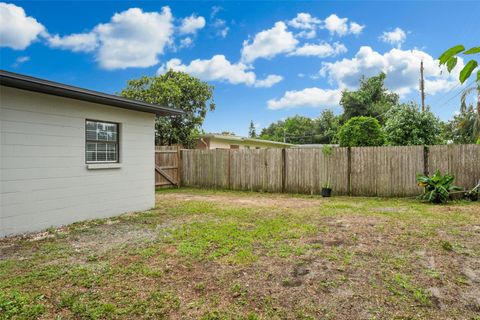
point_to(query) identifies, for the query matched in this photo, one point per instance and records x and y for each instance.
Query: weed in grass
(239, 293)
(401, 285)
(462, 280)
(217, 239)
(432, 273)
(157, 306)
(85, 277)
(17, 305)
(200, 286)
(446, 245)
(86, 306)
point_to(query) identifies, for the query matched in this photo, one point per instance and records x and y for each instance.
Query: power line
(458, 93)
(422, 86)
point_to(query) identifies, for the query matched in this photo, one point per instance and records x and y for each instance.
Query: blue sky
(267, 60)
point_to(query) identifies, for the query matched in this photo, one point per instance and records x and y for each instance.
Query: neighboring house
(221, 141)
(314, 146)
(69, 154)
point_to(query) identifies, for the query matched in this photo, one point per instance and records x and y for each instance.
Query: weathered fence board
(308, 170)
(256, 170)
(462, 161)
(386, 171)
(362, 171)
(167, 166)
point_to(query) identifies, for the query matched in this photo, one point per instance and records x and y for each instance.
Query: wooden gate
(167, 166)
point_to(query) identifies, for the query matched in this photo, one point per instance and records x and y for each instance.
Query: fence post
(179, 166)
(284, 169)
(426, 152)
(349, 171)
(229, 171)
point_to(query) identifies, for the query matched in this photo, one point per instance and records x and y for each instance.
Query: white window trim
(103, 165)
(106, 162)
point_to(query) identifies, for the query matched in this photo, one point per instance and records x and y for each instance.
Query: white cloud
(186, 42)
(20, 60)
(192, 24)
(218, 68)
(221, 27)
(356, 28)
(321, 50)
(401, 66)
(134, 38)
(269, 43)
(340, 26)
(304, 21)
(396, 37)
(17, 31)
(85, 42)
(309, 97)
(307, 34)
(214, 11)
(268, 82)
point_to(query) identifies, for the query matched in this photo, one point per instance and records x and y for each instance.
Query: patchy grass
(209, 254)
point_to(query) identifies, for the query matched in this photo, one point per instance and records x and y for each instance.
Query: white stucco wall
(44, 180)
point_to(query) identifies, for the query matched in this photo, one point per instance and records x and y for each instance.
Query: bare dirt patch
(245, 201)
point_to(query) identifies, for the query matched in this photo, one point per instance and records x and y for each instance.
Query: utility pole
(422, 86)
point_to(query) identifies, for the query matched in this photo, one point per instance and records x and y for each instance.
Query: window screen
(101, 141)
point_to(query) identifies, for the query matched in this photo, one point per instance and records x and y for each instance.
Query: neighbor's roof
(231, 138)
(19, 81)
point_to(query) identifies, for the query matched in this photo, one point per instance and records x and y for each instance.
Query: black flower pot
(326, 192)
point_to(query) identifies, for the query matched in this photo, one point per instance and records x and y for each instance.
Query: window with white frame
(101, 143)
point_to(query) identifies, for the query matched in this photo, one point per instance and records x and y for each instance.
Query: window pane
(91, 135)
(111, 156)
(91, 156)
(91, 146)
(101, 156)
(101, 135)
(91, 125)
(101, 143)
(101, 147)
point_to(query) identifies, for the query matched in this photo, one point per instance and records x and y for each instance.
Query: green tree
(406, 125)
(326, 127)
(361, 131)
(296, 130)
(177, 90)
(252, 133)
(372, 99)
(462, 126)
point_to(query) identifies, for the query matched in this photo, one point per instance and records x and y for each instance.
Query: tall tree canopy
(177, 90)
(296, 129)
(326, 127)
(361, 132)
(406, 125)
(303, 130)
(372, 99)
(252, 133)
(462, 127)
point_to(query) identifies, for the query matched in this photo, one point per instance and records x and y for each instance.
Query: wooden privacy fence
(167, 166)
(360, 171)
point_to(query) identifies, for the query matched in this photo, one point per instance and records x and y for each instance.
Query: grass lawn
(203, 254)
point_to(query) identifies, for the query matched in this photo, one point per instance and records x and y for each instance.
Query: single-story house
(224, 141)
(69, 154)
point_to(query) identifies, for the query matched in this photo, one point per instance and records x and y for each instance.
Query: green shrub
(361, 131)
(437, 188)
